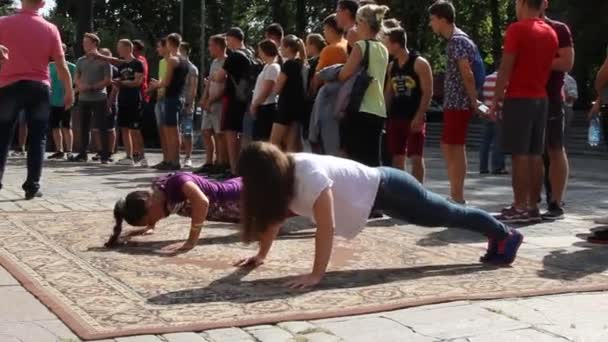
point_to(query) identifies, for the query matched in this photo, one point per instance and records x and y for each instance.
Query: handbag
(362, 82)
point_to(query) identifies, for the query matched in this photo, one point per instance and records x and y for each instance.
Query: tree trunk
(278, 13)
(301, 18)
(84, 24)
(496, 31)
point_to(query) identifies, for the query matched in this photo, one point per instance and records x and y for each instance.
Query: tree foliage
(484, 20)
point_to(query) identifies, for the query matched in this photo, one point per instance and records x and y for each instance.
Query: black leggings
(360, 137)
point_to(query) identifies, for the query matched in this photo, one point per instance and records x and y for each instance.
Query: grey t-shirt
(192, 73)
(215, 87)
(92, 71)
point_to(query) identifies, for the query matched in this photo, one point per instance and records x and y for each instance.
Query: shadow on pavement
(231, 288)
(591, 259)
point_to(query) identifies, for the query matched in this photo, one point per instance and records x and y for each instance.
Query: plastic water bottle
(595, 131)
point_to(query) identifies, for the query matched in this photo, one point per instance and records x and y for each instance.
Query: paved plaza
(572, 317)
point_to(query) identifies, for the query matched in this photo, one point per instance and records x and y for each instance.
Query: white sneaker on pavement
(187, 163)
(126, 161)
(143, 162)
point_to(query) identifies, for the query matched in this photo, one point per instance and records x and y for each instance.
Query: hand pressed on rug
(252, 262)
(304, 281)
(177, 248)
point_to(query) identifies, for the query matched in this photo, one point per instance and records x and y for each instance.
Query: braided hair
(132, 209)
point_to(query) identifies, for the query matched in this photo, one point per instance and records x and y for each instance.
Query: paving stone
(318, 337)
(26, 332)
(520, 335)
(457, 321)
(373, 329)
(270, 333)
(142, 338)
(6, 279)
(227, 335)
(18, 305)
(184, 337)
(297, 327)
(59, 329)
(579, 332)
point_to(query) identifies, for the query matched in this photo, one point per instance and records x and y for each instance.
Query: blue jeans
(490, 143)
(402, 197)
(33, 98)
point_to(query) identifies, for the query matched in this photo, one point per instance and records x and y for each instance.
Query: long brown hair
(268, 187)
(296, 45)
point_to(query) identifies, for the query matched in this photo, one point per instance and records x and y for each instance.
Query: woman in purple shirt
(184, 194)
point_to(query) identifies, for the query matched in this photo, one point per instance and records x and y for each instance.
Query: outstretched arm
(266, 241)
(200, 206)
(324, 239)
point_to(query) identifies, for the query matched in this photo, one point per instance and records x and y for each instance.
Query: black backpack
(244, 87)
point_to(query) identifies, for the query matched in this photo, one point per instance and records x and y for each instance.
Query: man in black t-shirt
(236, 74)
(129, 81)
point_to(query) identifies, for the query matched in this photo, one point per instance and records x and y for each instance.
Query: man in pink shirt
(25, 84)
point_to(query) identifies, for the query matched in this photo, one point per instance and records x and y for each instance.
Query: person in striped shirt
(489, 142)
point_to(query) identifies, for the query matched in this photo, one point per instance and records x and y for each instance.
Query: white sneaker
(126, 161)
(601, 220)
(188, 162)
(143, 162)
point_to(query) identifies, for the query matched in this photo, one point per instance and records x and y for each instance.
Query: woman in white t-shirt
(339, 194)
(265, 99)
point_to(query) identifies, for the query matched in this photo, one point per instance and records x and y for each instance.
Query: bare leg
(278, 135)
(112, 143)
(232, 142)
(127, 142)
(96, 140)
(294, 138)
(68, 139)
(138, 142)
(399, 161)
(521, 181)
(558, 173)
(535, 180)
(173, 143)
(188, 146)
(58, 139)
(222, 149)
(418, 168)
(163, 142)
(22, 136)
(209, 145)
(457, 168)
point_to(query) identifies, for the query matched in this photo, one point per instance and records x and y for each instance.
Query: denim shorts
(186, 123)
(173, 109)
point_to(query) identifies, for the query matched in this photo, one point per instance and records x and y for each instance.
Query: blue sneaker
(506, 250)
(492, 250)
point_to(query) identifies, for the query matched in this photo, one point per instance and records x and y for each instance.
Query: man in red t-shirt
(529, 50)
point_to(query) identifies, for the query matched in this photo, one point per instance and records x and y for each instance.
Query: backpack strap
(365, 61)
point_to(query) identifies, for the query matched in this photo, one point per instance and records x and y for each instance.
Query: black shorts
(60, 118)
(286, 115)
(556, 122)
(262, 127)
(129, 115)
(232, 120)
(522, 127)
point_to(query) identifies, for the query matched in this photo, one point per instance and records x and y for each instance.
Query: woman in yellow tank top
(360, 132)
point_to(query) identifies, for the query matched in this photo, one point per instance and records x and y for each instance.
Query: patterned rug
(134, 290)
